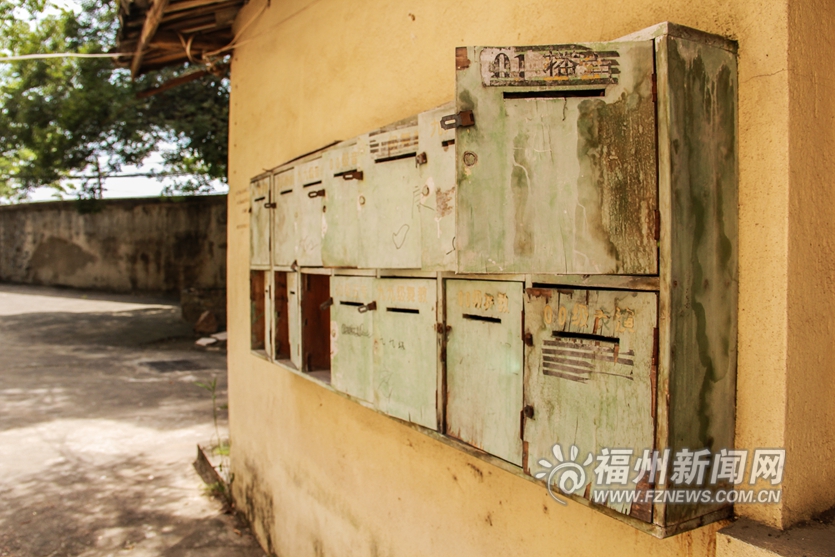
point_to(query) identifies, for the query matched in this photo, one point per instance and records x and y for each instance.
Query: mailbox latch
(463, 119)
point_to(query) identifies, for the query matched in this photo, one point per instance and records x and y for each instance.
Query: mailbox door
(558, 173)
(311, 197)
(484, 365)
(340, 222)
(285, 220)
(259, 222)
(352, 339)
(590, 376)
(436, 206)
(405, 349)
(389, 222)
(294, 312)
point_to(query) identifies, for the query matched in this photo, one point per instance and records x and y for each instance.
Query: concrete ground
(97, 438)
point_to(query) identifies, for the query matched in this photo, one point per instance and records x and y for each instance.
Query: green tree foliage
(80, 117)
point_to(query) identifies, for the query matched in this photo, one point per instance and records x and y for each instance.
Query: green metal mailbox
(484, 357)
(259, 222)
(436, 205)
(285, 216)
(341, 175)
(389, 225)
(352, 336)
(406, 349)
(310, 194)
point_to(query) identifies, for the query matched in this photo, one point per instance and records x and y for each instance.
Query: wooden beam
(152, 18)
(171, 83)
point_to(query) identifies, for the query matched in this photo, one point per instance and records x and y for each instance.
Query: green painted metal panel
(294, 312)
(352, 336)
(438, 193)
(311, 195)
(590, 375)
(553, 177)
(405, 349)
(484, 356)
(340, 221)
(285, 196)
(389, 225)
(703, 285)
(259, 222)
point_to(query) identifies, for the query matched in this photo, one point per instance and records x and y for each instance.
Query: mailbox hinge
(463, 119)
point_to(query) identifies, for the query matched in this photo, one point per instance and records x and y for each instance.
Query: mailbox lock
(362, 200)
(326, 304)
(470, 158)
(425, 191)
(367, 307)
(270, 205)
(420, 158)
(317, 193)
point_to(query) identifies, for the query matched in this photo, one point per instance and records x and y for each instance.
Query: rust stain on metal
(540, 293)
(462, 61)
(444, 202)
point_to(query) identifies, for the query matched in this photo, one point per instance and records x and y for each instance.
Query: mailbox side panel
(703, 179)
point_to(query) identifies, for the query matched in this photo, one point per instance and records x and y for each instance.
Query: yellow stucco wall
(332, 478)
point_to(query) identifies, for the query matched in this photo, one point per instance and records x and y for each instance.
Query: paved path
(96, 444)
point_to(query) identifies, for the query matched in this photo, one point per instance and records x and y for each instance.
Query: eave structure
(163, 33)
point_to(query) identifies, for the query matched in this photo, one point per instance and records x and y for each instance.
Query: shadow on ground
(100, 416)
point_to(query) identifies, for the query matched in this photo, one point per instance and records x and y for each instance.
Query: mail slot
(557, 173)
(352, 336)
(405, 377)
(285, 214)
(436, 203)
(341, 176)
(590, 375)
(310, 196)
(259, 222)
(389, 225)
(484, 356)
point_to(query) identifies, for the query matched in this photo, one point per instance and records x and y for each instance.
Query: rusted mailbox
(285, 216)
(590, 372)
(484, 357)
(405, 377)
(384, 344)
(387, 212)
(259, 222)
(341, 175)
(352, 336)
(436, 203)
(558, 172)
(310, 193)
